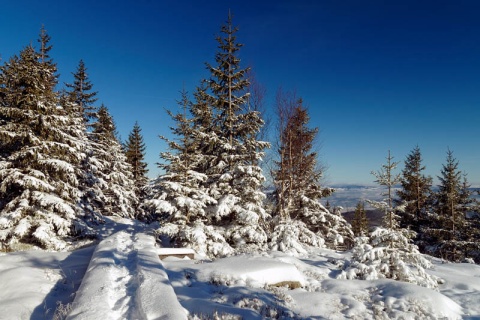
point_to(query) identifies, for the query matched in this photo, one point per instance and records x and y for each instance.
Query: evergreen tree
(81, 93)
(415, 192)
(49, 72)
(328, 206)
(388, 252)
(385, 177)
(221, 131)
(360, 221)
(40, 154)
(234, 177)
(448, 196)
(114, 173)
(448, 237)
(135, 153)
(74, 125)
(297, 181)
(181, 197)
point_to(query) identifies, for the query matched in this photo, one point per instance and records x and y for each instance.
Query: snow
(254, 271)
(125, 280)
(175, 251)
(122, 277)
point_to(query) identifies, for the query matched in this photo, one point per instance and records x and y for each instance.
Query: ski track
(124, 279)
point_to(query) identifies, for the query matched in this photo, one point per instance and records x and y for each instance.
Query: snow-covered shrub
(247, 238)
(294, 237)
(205, 240)
(389, 254)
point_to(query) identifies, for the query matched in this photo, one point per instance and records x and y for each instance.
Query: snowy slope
(126, 280)
(35, 284)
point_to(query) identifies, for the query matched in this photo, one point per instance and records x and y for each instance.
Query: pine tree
(415, 192)
(40, 157)
(135, 153)
(297, 181)
(114, 173)
(360, 221)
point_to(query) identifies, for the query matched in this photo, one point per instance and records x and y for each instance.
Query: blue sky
(376, 75)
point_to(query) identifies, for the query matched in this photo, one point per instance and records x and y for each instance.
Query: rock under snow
(253, 271)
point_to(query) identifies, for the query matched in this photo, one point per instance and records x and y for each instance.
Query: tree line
(62, 166)
(63, 169)
(443, 221)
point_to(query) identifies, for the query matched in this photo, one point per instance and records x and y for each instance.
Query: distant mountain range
(347, 196)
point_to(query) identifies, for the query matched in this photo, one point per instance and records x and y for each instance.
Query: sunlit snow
(122, 277)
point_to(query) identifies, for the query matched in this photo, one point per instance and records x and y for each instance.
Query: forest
(63, 169)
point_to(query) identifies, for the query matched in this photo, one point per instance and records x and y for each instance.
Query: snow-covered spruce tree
(360, 221)
(40, 154)
(135, 153)
(386, 178)
(448, 237)
(297, 180)
(114, 174)
(415, 192)
(234, 176)
(180, 197)
(389, 251)
(81, 95)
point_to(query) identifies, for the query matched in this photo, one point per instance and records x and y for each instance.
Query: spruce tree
(448, 196)
(360, 221)
(135, 153)
(234, 177)
(114, 173)
(220, 134)
(415, 192)
(40, 153)
(448, 237)
(180, 192)
(81, 93)
(385, 177)
(181, 197)
(389, 252)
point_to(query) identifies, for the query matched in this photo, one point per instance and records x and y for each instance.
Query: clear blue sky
(376, 75)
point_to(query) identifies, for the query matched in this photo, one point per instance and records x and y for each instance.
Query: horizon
(375, 77)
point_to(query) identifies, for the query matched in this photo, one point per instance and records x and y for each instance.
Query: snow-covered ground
(126, 280)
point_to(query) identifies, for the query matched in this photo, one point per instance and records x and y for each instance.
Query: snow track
(126, 280)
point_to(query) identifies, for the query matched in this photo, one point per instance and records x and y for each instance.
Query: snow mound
(388, 299)
(126, 280)
(37, 284)
(462, 284)
(253, 271)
